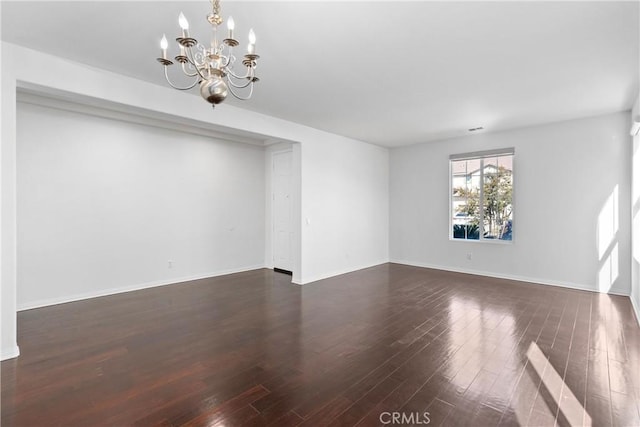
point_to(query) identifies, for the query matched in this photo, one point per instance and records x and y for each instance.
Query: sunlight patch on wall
(608, 223)
(607, 242)
(635, 183)
(609, 272)
(635, 200)
(636, 237)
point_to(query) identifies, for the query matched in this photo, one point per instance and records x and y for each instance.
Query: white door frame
(272, 198)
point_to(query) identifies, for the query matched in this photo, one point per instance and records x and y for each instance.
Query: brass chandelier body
(212, 66)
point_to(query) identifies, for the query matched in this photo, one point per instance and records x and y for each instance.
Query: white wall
(104, 205)
(635, 215)
(345, 199)
(361, 233)
(564, 175)
(7, 207)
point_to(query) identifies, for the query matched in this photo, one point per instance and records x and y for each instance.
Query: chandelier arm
(240, 97)
(249, 73)
(232, 84)
(228, 63)
(166, 76)
(197, 69)
(184, 70)
(188, 53)
(220, 50)
(191, 58)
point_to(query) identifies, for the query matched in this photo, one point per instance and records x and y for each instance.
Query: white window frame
(482, 155)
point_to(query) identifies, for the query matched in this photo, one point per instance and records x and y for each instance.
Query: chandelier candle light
(212, 67)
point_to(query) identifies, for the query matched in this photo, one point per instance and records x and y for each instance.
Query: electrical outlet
(169, 264)
(469, 256)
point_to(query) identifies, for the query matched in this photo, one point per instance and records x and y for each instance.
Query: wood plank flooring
(359, 349)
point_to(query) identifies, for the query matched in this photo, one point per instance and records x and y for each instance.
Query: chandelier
(212, 67)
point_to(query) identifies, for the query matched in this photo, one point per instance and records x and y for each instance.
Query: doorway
(282, 202)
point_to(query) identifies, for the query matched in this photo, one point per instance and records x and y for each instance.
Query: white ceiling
(390, 73)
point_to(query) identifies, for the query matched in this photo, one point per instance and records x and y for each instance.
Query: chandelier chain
(215, 18)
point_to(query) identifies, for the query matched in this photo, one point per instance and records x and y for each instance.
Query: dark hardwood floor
(359, 349)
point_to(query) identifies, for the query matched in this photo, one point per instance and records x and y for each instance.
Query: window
(482, 195)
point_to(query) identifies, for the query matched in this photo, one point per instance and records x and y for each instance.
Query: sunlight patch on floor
(568, 404)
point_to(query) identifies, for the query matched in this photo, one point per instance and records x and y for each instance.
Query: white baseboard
(10, 353)
(636, 309)
(307, 280)
(535, 280)
(112, 291)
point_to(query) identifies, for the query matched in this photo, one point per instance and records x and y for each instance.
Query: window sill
(489, 241)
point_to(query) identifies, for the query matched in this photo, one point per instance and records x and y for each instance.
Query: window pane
(458, 197)
(506, 162)
(465, 207)
(497, 200)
